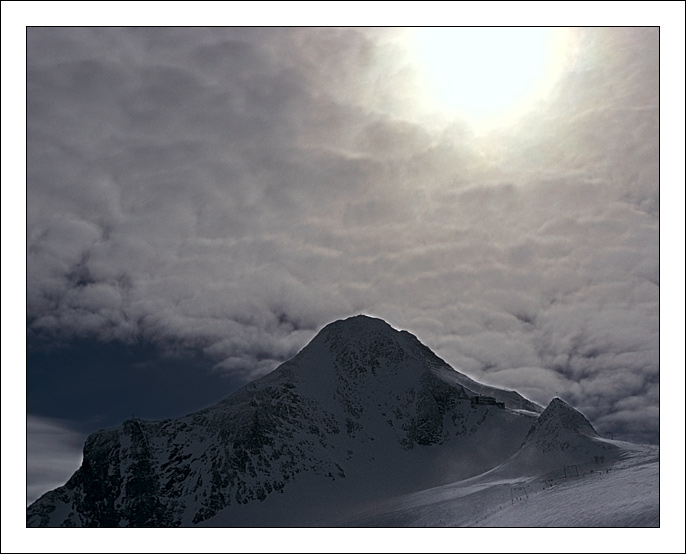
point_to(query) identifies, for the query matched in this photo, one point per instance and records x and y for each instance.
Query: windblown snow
(365, 426)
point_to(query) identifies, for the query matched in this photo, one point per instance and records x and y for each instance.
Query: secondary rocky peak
(561, 437)
(568, 416)
(561, 417)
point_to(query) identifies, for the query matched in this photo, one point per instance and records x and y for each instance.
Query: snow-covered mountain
(363, 414)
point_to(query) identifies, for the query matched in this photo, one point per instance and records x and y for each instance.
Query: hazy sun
(487, 75)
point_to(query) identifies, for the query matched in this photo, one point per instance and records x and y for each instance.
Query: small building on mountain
(486, 401)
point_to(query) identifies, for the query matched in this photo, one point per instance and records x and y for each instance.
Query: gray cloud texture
(54, 450)
(236, 189)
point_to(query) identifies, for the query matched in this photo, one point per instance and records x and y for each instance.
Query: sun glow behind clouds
(487, 75)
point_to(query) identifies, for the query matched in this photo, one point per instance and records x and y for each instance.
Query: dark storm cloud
(234, 190)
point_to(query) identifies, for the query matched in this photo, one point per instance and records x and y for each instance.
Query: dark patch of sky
(99, 385)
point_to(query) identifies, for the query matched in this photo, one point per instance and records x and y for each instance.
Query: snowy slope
(624, 493)
(363, 414)
(564, 475)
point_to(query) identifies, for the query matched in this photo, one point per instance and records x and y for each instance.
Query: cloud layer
(236, 189)
(53, 454)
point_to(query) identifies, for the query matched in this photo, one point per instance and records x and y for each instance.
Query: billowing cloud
(236, 189)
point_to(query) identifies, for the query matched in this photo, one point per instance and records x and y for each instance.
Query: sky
(200, 202)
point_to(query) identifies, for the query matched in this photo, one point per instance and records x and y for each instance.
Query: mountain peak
(369, 342)
(560, 417)
(569, 416)
(353, 415)
(558, 403)
(356, 325)
(369, 337)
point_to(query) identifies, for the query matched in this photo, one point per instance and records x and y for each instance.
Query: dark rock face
(101, 480)
(434, 401)
(117, 484)
(361, 403)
